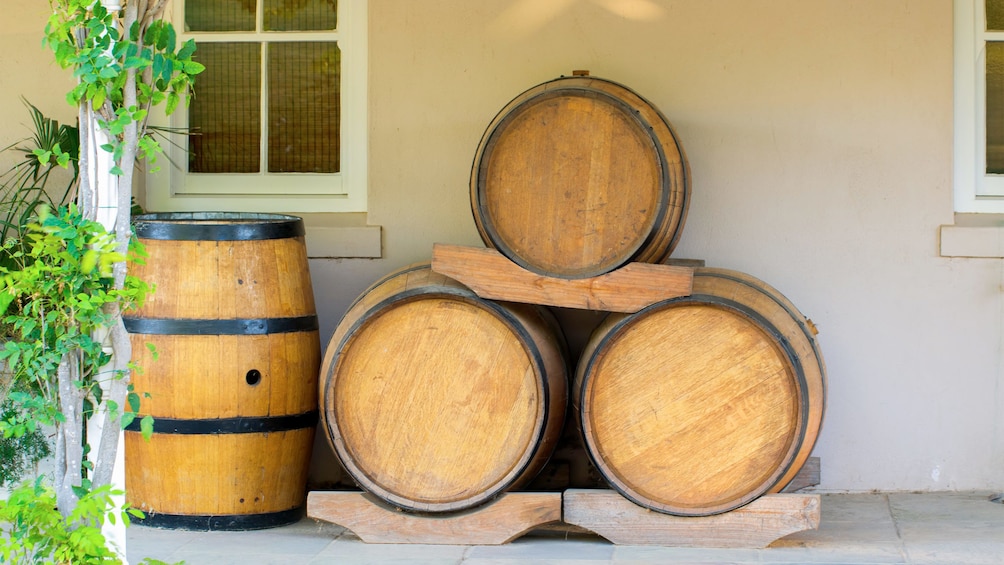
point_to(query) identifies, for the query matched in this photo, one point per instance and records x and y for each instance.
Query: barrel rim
(524, 100)
(217, 226)
(514, 473)
(789, 307)
(791, 452)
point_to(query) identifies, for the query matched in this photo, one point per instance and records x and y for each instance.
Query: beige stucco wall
(819, 136)
(28, 71)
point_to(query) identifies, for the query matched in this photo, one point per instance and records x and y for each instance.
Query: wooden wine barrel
(233, 387)
(436, 400)
(698, 405)
(578, 176)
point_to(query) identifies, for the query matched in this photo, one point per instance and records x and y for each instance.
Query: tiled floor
(932, 528)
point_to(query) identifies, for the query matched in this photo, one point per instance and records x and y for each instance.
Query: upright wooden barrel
(578, 176)
(233, 388)
(698, 405)
(436, 400)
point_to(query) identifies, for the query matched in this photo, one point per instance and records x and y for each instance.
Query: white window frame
(172, 188)
(975, 191)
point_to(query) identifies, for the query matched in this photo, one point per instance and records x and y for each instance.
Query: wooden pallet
(507, 518)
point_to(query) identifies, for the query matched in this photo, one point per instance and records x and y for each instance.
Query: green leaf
(135, 63)
(152, 34)
(157, 64)
(5, 300)
(187, 49)
(98, 99)
(172, 103)
(42, 156)
(146, 426)
(127, 418)
(167, 71)
(193, 68)
(133, 400)
(171, 38)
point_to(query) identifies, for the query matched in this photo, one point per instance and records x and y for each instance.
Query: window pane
(219, 15)
(300, 15)
(304, 113)
(995, 107)
(225, 114)
(995, 15)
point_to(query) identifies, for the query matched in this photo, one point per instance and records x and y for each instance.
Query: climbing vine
(126, 61)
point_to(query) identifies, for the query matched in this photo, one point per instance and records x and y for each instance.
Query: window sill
(974, 235)
(342, 235)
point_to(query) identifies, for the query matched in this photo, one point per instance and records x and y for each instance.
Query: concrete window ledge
(337, 236)
(974, 235)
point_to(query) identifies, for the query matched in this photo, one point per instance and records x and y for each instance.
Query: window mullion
(263, 144)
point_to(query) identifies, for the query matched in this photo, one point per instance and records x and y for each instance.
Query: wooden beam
(628, 289)
(756, 525)
(507, 518)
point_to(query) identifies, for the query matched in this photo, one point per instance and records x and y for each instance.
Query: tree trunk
(69, 435)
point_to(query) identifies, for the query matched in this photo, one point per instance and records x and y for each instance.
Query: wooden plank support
(507, 518)
(756, 525)
(808, 476)
(628, 289)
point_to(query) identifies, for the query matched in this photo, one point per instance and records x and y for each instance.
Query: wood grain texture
(578, 176)
(218, 474)
(699, 405)
(628, 289)
(755, 525)
(501, 521)
(226, 279)
(206, 377)
(797, 331)
(436, 400)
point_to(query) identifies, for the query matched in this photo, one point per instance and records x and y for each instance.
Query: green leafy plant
(126, 59)
(70, 283)
(26, 184)
(35, 532)
(125, 62)
(56, 302)
(19, 454)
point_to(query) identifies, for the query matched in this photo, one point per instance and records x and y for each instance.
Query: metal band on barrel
(238, 425)
(235, 326)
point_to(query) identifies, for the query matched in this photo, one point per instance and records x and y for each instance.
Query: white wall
(819, 135)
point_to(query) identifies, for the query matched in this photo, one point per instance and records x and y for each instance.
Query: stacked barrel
(437, 400)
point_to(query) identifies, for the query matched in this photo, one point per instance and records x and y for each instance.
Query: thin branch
(85, 192)
(71, 405)
(154, 12)
(104, 462)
